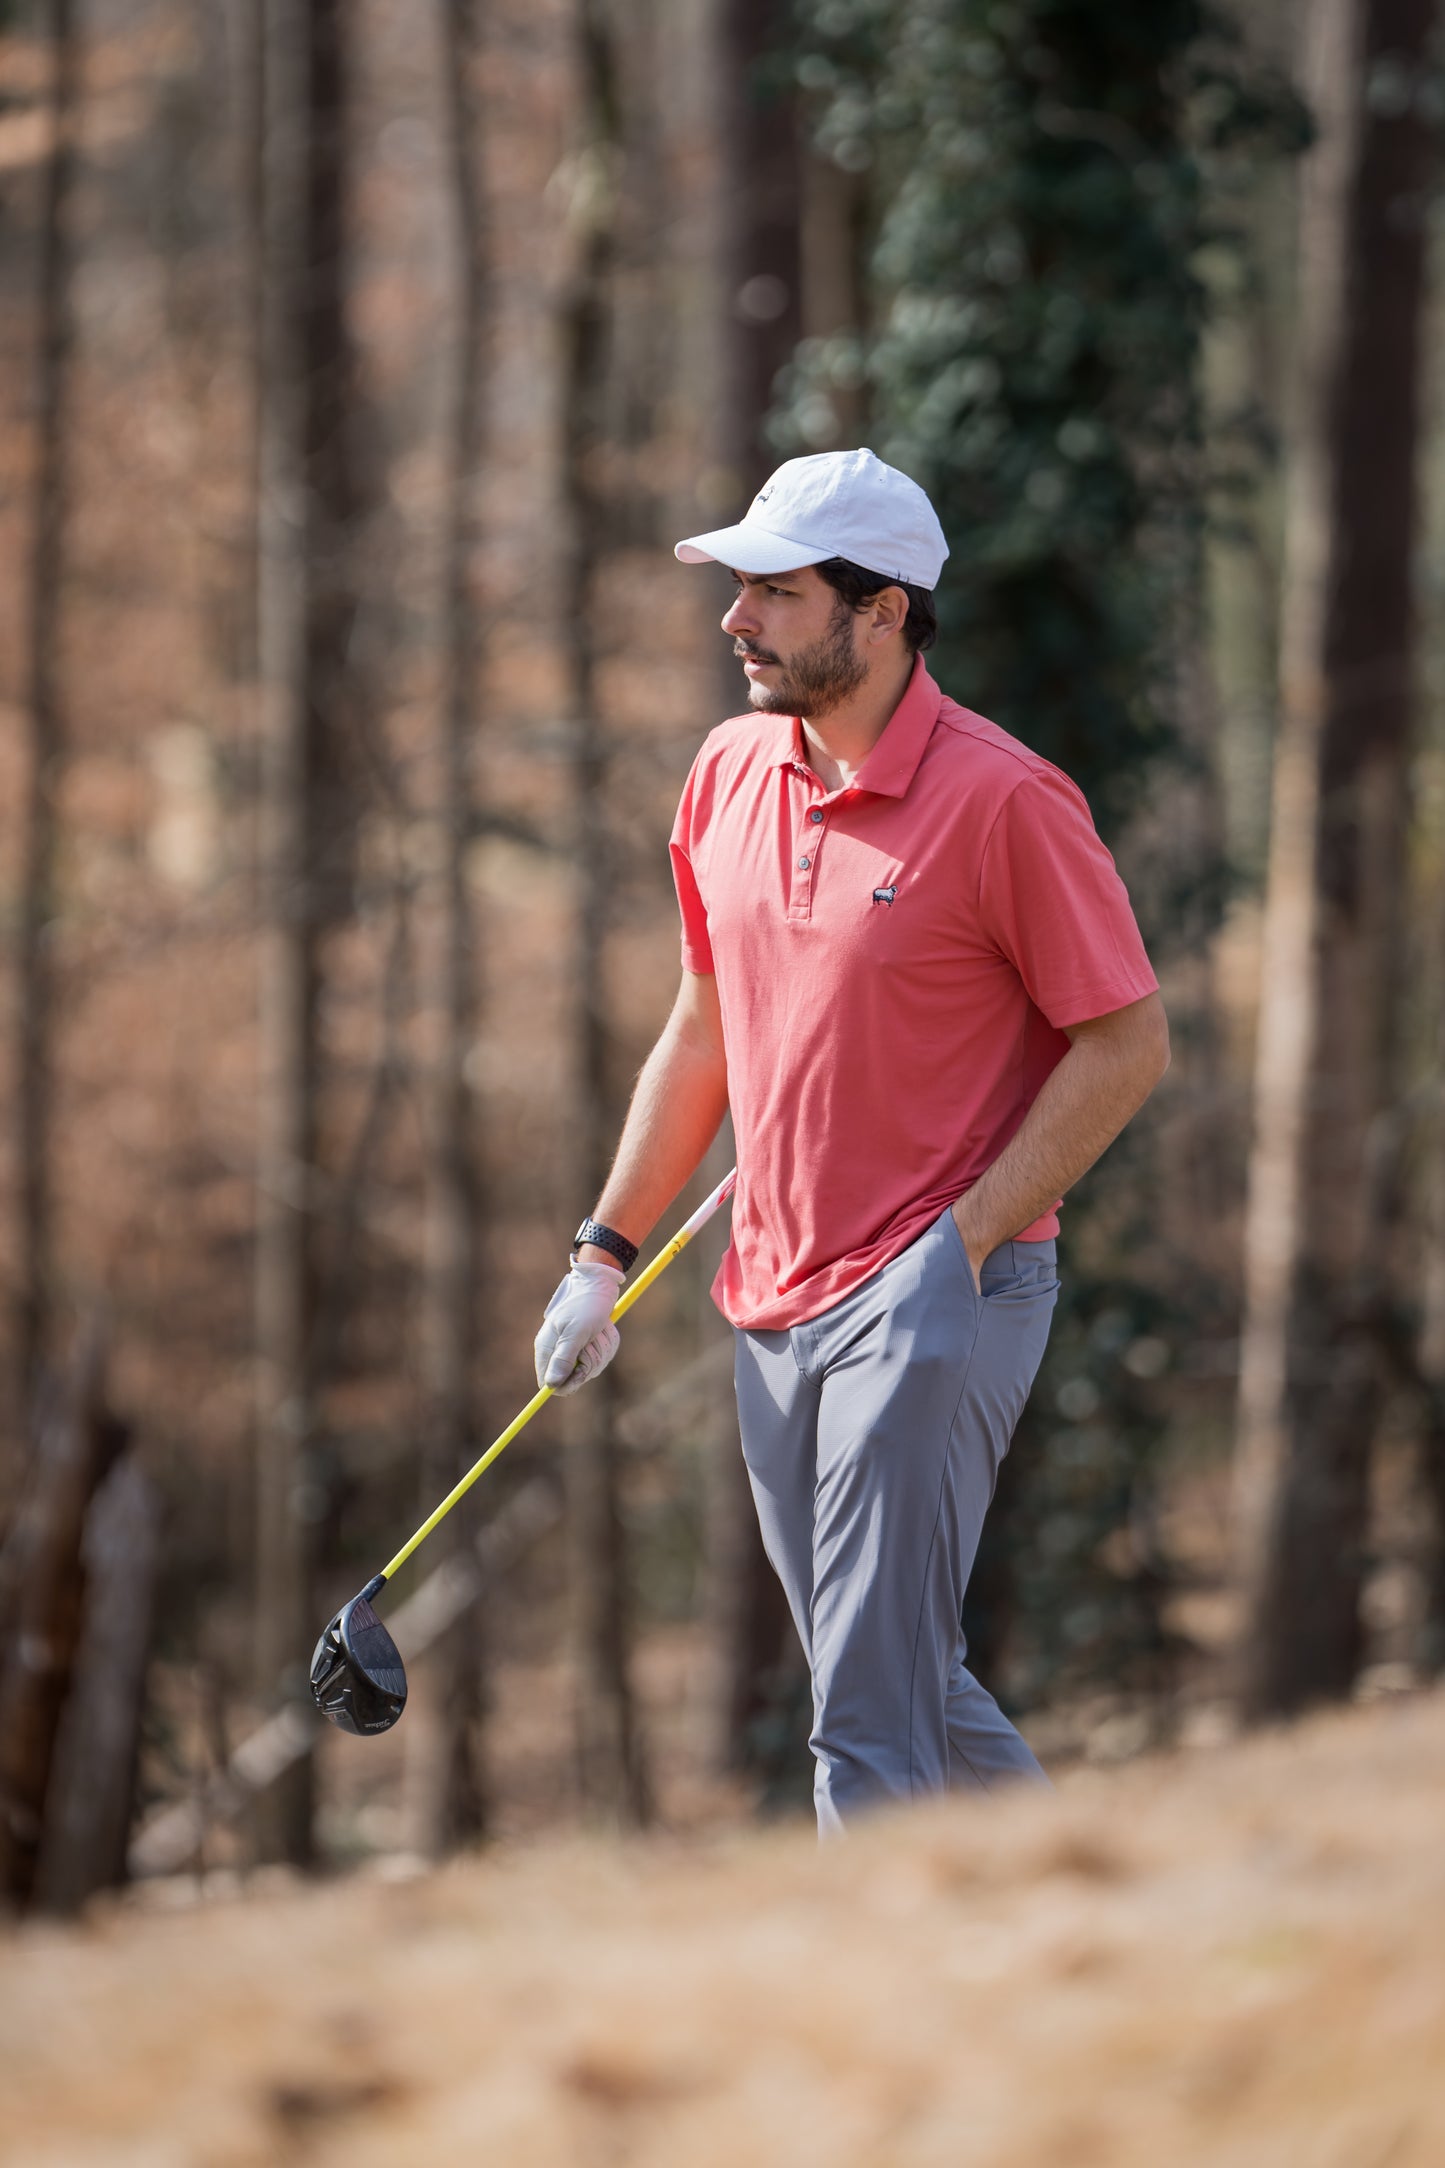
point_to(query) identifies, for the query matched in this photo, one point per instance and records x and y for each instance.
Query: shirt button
(803, 864)
(816, 814)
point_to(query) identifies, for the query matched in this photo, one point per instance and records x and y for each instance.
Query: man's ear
(890, 612)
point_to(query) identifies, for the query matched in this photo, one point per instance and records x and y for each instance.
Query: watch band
(606, 1238)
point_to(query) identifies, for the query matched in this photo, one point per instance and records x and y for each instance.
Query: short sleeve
(1051, 899)
(696, 945)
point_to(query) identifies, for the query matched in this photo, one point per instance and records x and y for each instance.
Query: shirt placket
(810, 826)
(811, 820)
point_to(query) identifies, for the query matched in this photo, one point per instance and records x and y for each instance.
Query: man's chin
(769, 700)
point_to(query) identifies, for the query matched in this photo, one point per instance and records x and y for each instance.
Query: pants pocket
(953, 1242)
(1010, 1264)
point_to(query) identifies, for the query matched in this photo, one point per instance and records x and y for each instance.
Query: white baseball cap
(832, 504)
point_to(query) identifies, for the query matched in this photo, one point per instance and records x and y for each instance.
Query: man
(912, 972)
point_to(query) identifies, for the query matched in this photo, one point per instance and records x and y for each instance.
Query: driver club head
(357, 1675)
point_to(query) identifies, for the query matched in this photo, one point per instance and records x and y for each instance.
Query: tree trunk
(762, 294)
(1429, 1353)
(610, 1757)
(1314, 1242)
(833, 215)
(92, 1784)
(449, 1806)
(76, 1443)
(286, 1106)
(304, 613)
(35, 999)
(761, 246)
(762, 266)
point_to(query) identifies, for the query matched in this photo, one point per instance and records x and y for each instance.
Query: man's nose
(741, 618)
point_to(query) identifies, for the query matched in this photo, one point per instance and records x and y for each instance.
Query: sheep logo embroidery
(885, 895)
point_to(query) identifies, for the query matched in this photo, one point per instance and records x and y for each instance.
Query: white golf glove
(578, 1337)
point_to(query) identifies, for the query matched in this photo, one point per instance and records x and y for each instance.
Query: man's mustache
(752, 654)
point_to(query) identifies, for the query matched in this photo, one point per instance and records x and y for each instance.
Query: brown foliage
(1223, 1957)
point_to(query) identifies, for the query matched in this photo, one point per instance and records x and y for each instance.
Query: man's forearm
(1084, 1103)
(677, 1107)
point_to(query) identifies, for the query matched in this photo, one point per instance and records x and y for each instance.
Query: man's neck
(839, 742)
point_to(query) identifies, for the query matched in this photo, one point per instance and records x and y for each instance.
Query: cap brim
(749, 549)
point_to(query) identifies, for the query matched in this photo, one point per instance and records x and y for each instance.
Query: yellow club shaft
(659, 1265)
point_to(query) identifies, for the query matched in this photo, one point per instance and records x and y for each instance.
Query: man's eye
(780, 590)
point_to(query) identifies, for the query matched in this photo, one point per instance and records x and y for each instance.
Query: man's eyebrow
(760, 579)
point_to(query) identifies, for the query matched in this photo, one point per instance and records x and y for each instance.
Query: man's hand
(578, 1337)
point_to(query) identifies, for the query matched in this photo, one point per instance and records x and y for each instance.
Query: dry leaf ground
(1233, 1957)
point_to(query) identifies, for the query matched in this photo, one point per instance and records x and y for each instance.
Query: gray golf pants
(873, 1437)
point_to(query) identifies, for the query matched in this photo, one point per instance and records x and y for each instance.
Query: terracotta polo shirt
(894, 963)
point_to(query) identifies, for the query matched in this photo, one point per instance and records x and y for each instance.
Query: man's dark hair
(855, 587)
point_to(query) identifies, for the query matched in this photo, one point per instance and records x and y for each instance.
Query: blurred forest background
(361, 363)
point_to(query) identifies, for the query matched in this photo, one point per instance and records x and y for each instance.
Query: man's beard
(816, 679)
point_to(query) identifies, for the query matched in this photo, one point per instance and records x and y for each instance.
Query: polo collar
(893, 762)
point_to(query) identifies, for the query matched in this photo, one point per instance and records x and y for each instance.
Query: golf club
(357, 1675)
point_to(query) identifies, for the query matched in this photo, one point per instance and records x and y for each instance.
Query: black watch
(606, 1238)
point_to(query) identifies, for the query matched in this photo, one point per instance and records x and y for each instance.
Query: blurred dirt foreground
(1232, 1956)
